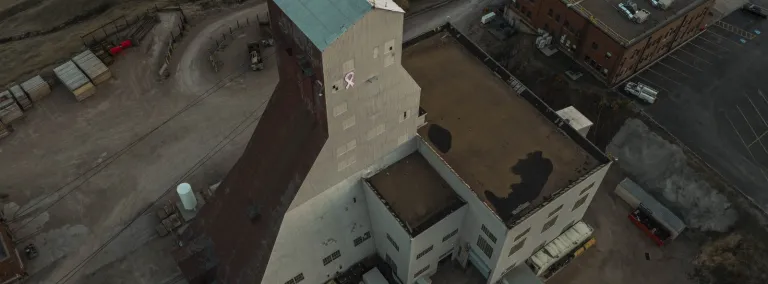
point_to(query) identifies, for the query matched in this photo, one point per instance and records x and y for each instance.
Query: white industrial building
(512, 181)
(429, 155)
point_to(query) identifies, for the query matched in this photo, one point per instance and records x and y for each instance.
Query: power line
(229, 138)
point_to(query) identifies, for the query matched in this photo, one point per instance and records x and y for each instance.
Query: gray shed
(21, 97)
(36, 88)
(92, 66)
(9, 110)
(75, 80)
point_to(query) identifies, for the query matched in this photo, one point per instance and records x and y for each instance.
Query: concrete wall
(330, 221)
(433, 236)
(536, 236)
(376, 114)
(385, 224)
(478, 213)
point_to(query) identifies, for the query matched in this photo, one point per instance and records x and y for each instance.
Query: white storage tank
(75, 80)
(36, 88)
(21, 97)
(96, 70)
(187, 196)
(9, 110)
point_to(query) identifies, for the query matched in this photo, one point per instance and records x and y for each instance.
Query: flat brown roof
(610, 19)
(509, 154)
(415, 192)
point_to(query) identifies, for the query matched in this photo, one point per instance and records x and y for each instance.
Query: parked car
(641, 91)
(755, 10)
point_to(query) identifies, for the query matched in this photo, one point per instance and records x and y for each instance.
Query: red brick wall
(598, 50)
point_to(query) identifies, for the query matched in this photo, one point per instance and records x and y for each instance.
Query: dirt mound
(663, 169)
(735, 258)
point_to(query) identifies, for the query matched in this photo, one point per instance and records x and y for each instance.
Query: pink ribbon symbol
(349, 78)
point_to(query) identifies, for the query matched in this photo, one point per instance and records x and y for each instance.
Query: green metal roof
(323, 21)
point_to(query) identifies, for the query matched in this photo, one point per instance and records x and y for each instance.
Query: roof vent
(629, 10)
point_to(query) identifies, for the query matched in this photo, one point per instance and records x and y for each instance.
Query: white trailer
(9, 109)
(570, 243)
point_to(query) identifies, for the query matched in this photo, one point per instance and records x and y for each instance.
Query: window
(391, 264)
(516, 247)
(594, 45)
(296, 279)
(566, 25)
(442, 256)
(528, 14)
(587, 188)
(587, 59)
(608, 55)
(522, 234)
(488, 233)
(555, 211)
(546, 27)
(391, 241)
(328, 259)
(549, 224)
(580, 202)
(484, 246)
(451, 234)
(421, 271)
(424, 252)
(549, 13)
(557, 18)
(359, 240)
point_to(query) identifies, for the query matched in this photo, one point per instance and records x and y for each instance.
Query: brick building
(612, 42)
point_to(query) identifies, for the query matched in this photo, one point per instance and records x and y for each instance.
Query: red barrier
(126, 44)
(115, 50)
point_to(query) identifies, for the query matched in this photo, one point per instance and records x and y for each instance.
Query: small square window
(549, 13)
(516, 247)
(549, 224)
(594, 45)
(557, 18)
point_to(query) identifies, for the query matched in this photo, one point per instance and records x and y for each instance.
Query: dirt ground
(81, 171)
(29, 56)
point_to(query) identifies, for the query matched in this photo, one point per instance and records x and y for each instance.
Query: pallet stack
(36, 88)
(75, 80)
(9, 109)
(92, 66)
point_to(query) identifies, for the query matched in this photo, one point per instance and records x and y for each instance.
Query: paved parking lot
(714, 97)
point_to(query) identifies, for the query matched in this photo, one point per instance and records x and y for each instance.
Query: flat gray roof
(415, 192)
(608, 17)
(504, 148)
